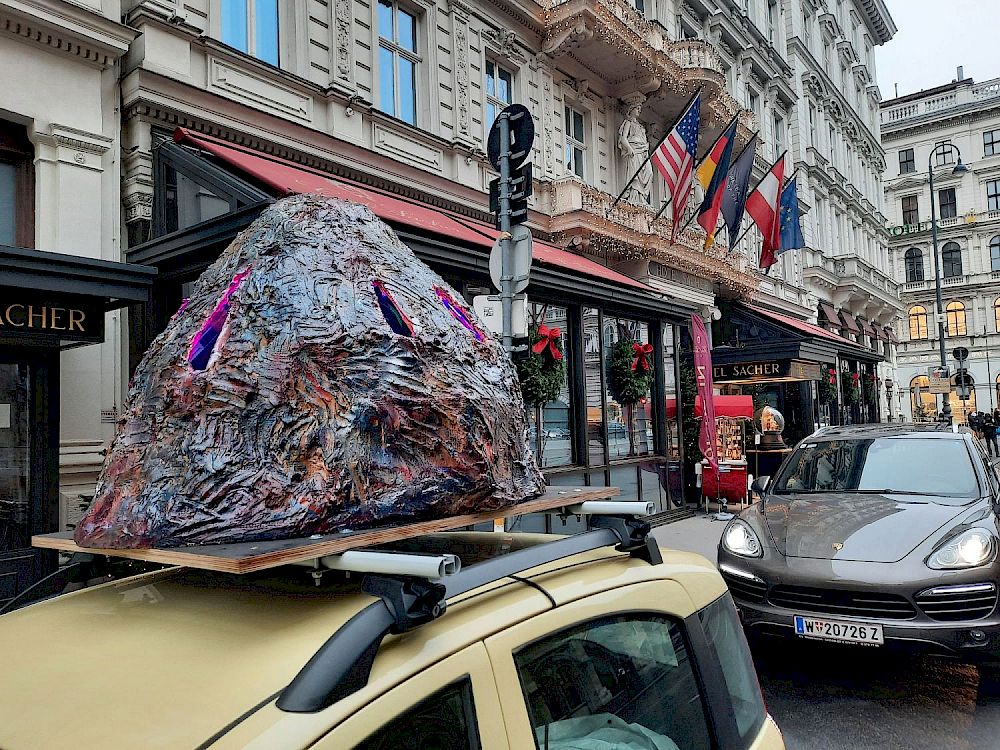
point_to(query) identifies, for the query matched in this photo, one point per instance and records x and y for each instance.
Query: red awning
(880, 332)
(728, 406)
(800, 325)
(830, 314)
(286, 178)
(850, 322)
(892, 335)
(866, 327)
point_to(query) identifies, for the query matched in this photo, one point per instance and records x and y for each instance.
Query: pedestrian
(990, 435)
(975, 424)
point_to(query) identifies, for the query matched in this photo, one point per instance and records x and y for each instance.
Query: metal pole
(506, 249)
(990, 385)
(945, 403)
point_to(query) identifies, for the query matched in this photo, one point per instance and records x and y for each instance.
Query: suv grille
(744, 588)
(841, 602)
(953, 603)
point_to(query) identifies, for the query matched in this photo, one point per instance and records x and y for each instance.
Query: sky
(934, 38)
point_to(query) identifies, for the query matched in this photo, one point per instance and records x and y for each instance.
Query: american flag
(674, 157)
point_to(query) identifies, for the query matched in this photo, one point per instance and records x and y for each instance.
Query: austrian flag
(763, 205)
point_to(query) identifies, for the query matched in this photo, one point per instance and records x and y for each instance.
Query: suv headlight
(970, 549)
(740, 539)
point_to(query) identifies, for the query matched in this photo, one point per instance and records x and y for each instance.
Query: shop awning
(829, 315)
(866, 327)
(286, 178)
(728, 406)
(801, 325)
(850, 322)
(880, 332)
(892, 335)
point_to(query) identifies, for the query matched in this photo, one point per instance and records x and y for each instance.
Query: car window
(941, 468)
(443, 721)
(725, 636)
(617, 682)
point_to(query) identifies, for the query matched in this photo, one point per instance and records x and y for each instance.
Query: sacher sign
(789, 369)
(63, 319)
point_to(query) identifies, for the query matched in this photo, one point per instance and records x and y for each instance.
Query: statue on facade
(634, 148)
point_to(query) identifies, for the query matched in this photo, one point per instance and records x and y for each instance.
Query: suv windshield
(918, 466)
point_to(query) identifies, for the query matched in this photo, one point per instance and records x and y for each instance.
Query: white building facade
(932, 128)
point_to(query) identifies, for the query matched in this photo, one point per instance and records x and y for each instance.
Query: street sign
(522, 134)
(520, 241)
(489, 308)
(939, 380)
(964, 385)
(960, 353)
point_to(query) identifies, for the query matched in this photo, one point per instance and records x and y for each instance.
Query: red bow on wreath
(547, 337)
(855, 377)
(832, 374)
(641, 350)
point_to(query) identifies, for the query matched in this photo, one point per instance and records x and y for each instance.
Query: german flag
(708, 214)
(706, 170)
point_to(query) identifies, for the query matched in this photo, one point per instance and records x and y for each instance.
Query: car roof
(868, 431)
(167, 659)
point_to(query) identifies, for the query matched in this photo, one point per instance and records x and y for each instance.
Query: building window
(575, 142)
(951, 260)
(753, 102)
(779, 135)
(640, 6)
(946, 199)
(995, 253)
(914, 262)
(943, 156)
(833, 144)
(397, 61)
(955, 313)
(911, 216)
(922, 401)
(991, 143)
(812, 124)
(993, 195)
(499, 91)
(17, 186)
(772, 21)
(918, 322)
(251, 26)
(906, 163)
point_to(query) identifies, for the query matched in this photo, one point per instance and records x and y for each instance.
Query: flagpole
(650, 154)
(783, 185)
(753, 142)
(697, 166)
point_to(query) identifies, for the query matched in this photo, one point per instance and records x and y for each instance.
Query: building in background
(966, 114)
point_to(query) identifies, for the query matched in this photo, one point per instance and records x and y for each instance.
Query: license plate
(845, 631)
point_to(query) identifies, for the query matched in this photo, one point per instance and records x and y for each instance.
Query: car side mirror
(760, 485)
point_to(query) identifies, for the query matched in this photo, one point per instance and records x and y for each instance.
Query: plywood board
(248, 557)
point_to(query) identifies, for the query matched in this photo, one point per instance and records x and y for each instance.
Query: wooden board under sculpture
(319, 378)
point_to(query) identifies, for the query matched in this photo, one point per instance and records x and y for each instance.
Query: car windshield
(941, 469)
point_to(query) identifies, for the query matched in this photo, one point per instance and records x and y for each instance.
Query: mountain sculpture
(320, 378)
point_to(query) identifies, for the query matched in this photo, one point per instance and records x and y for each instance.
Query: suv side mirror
(760, 485)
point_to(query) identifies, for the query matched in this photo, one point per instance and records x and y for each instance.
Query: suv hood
(871, 528)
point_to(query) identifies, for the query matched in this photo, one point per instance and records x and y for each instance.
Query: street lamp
(943, 148)
(888, 395)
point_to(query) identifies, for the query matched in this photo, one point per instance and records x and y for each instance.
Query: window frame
(398, 51)
(955, 311)
(993, 195)
(17, 150)
(573, 145)
(913, 212)
(994, 247)
(943, 157)
(906, 159)
(991, 142)
(952, 203)
(916, 318)
(913, 262)
(951, 260)
(492, 100)
(250, 46)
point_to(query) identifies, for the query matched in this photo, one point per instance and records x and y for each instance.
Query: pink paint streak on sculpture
(320, 378)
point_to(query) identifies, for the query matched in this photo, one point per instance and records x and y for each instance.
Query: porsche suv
(875, 535)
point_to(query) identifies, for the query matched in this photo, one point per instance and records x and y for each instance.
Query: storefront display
(733, 415)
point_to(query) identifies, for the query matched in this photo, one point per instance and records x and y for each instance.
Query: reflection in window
(251, 26)
(550, 427)
(914, 262)
(630, 426)
(444, 721)
(187, 203)
(499, 91)
(951, 260)
(594, 386)
(922, 402)
(995, 253)
(397, 67)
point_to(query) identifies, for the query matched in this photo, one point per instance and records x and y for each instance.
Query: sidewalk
(700, 534)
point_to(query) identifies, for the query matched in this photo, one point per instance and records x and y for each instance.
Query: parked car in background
(876, 536)
(585, 646)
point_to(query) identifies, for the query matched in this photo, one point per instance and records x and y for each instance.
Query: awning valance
(829, 315)
(849, 322)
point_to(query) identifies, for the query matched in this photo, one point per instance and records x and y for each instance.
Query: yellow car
(589, 642)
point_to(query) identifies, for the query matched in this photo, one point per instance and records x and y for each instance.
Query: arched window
(995, 253)
(918, 322)
(914, 261)
(951, 259)
(996, 312)
(956, 319)
(963, 398)
(923, 404)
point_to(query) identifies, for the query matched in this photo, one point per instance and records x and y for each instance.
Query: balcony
(853, 283)
(582, 217)
(964, 93)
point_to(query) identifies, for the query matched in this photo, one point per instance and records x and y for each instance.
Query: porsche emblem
(838, 546)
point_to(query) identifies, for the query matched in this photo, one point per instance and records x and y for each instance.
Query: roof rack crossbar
(343, 664)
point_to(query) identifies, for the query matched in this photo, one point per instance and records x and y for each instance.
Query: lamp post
(960, 168)
(888, 396)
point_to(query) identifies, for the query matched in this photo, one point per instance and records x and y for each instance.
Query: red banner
(703, 376)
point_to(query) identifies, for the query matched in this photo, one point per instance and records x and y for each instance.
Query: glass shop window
(550, 429)
(187, 203)
(594, 386)
(628, 359)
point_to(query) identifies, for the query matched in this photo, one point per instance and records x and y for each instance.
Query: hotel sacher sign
(25, 315)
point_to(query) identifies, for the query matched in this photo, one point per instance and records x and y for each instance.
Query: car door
(452, 705)
(616, 667)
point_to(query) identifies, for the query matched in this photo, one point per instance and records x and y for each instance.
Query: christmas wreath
(870, 388)
(630, 371)
(850, 385)
(542, 372)
(828, 386)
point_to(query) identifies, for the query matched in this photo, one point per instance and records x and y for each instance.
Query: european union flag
(791, 228)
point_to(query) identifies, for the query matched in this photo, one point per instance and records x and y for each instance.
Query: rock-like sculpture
(320, 378)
